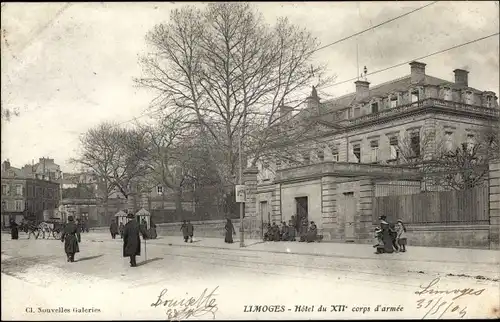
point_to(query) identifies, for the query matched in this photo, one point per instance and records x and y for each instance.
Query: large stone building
(357, 147)
(26, 196)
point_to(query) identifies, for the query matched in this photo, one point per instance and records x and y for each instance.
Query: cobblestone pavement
(101, 285)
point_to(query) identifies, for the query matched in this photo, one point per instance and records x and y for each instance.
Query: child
(401, 235)
(379, 242)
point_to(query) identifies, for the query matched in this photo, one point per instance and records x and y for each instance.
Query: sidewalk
(324, 249)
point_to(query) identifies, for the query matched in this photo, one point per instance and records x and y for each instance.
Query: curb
(246, 248)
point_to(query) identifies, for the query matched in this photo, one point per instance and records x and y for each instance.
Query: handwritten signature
(188, 307)
(444, 303)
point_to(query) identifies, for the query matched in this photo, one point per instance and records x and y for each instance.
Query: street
(237, 282)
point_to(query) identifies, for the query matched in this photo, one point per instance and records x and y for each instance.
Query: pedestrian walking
(70, 238)
(229, 231)
(312, 233)
(190, 230)
(14, 229)
(401, 235)
(184, 229)
(122, 227)
(113, 229)
(131, 240)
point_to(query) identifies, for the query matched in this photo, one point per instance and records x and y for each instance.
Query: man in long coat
(113, 229)
(190, 231)
(14, 229)
(312, 234)
(303, 229)
(229, 228)
(184, 229)
(70, 238)
(131, 240)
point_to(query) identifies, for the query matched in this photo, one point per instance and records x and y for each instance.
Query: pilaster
(494, 191)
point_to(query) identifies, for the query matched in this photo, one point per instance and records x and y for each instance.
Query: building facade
(26, 197)
(358, 146)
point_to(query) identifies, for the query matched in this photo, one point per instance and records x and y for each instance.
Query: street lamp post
(242, 209)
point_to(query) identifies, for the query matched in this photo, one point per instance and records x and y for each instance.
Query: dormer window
(357, 112)
(375, 107)
(415, 96)
(489, 101)
(447, 94)
(468, 97)
(321, 155)
(306, 157)
(393, 101)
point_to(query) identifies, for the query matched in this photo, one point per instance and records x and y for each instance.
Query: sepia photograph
(312, 160)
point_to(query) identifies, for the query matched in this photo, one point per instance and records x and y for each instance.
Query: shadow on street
(88, 258)
(150, 261)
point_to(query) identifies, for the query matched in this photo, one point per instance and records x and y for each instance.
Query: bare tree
(228, 72)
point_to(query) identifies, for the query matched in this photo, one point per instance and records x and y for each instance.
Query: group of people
(305, 232)
(130, 234)
(116, 229)
(390, 237)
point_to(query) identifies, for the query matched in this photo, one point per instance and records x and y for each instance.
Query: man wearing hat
(131, 239)
(70, 239)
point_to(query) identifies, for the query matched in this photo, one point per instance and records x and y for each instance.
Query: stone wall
(494, 186)
(458, 236)
(209, 228)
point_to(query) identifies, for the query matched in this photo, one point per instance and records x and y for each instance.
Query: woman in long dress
(386, 235)
(229, 231)
(312, 233)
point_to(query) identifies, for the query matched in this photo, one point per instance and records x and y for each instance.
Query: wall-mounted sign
(240, 193)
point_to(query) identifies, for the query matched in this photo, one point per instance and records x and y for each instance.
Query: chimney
(362, 89)
(417, 72)
(461, 77)
(6, 165)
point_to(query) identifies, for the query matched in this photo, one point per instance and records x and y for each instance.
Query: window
(447, 94)
(357, 112)
(415, 143)
(393, 143)
(374, 151)
(375, 107)
(19, 205)
(159, 190)
(19, 190)
(5, 190)
(489, 101)
(335, 154)
(415, 96)
(356, 150)
(448, 141)
(321, 155)
(394, 101)
(265, 171)
(468, 97)
(278, 164)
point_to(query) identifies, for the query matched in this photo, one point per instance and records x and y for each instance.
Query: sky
(68, 66)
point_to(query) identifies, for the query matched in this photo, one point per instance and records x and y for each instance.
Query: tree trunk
(178, 200)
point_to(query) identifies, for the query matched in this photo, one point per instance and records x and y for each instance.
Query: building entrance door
(349, 211)
(302, 211)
